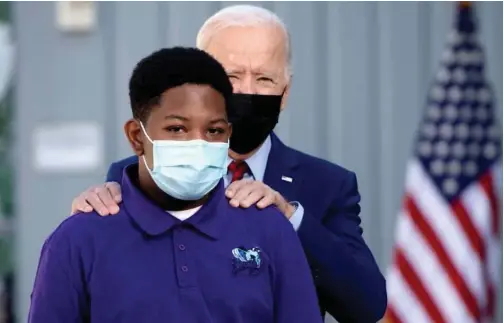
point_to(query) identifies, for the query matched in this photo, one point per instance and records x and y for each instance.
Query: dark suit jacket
(349, 283)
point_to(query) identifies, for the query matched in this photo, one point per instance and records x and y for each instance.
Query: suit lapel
(280, 171)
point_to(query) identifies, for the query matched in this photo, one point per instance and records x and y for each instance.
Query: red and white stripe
(446, 258)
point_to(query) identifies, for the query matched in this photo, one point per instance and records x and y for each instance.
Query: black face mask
(253, 117)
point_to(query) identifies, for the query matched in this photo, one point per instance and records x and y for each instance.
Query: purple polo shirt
(222, 265)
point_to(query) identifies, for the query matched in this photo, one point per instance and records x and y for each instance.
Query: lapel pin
(287, 179)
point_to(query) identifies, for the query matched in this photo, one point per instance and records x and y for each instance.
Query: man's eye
(265, 79)
(233, 77)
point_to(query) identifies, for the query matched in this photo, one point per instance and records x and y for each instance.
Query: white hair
(243, 16)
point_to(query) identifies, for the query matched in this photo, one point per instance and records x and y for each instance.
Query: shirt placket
(185, 277)
(192, 308)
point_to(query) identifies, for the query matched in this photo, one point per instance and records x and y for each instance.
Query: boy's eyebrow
(177, 117)
(174, 116)
(218, 120)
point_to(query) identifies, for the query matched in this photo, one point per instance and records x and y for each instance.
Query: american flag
(446, 257)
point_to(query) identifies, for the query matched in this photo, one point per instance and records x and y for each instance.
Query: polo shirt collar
(210, 219)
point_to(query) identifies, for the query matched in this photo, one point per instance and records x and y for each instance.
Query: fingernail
(229, 193)
(118, 198)
(88, 209)
(115, 210)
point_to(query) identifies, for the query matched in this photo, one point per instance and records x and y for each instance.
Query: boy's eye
(215, 131)
(175, 129)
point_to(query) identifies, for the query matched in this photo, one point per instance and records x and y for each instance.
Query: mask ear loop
(145, 162)
(283, 92)
(145, 133)
(152, 142)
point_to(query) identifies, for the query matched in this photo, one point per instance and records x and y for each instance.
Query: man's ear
(133, 132)
(285, 96)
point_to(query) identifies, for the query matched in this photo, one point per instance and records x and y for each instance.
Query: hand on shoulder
(103, 199)
(246, 192)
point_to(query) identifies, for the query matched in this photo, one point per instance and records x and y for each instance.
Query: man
(177, 251)
(320, 199)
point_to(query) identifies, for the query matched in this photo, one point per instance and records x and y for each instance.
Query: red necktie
(237, 170)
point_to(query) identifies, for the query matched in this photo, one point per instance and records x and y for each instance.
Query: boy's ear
(133, 132)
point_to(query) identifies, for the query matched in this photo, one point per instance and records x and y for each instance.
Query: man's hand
(103, 198)
(246, 192)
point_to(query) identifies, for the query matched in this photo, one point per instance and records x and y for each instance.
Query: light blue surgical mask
(187, 170)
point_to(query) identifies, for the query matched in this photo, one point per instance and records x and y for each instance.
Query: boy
(177, 251)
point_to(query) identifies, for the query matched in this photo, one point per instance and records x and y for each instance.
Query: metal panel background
(361, 73)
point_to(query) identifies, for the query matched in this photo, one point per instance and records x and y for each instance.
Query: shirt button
(181, 247)
(184, 269)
